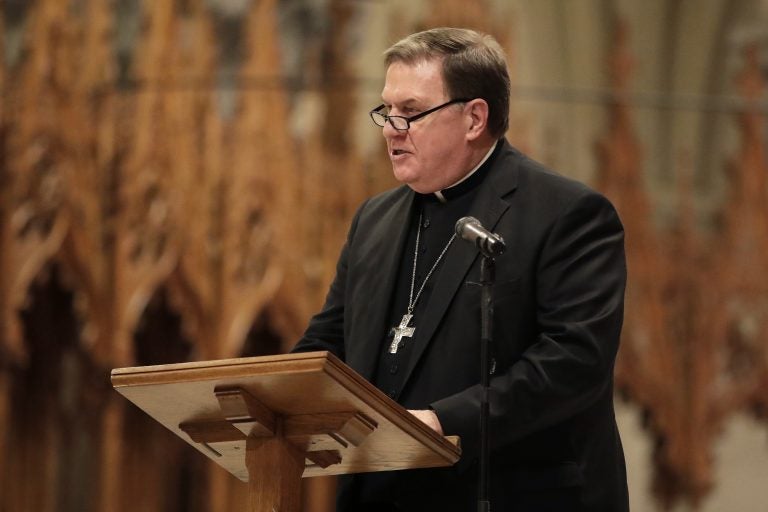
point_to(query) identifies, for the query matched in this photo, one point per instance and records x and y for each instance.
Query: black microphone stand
(490, 245)
(487, 276)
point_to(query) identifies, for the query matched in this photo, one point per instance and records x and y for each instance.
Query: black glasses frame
(380, 119)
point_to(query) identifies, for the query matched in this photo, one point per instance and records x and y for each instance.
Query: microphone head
(463, 223)
(470, 229)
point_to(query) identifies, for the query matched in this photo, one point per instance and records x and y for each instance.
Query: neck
(481, 150)
(479, 156)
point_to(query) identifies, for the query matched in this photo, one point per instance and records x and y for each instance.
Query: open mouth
(396, 152)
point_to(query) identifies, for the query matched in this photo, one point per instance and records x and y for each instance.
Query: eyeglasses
(402, 123)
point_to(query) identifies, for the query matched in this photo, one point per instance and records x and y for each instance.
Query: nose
(389, 132)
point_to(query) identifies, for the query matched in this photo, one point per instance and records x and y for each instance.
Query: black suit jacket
(558, 313)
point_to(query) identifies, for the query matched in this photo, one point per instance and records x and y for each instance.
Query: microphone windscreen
(463, 222)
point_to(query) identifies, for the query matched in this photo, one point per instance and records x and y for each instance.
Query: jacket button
(393, 369)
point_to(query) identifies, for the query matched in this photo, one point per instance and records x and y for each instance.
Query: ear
(477, 120)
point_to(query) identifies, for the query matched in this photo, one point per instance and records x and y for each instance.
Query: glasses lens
(398, 123)
(378, 118)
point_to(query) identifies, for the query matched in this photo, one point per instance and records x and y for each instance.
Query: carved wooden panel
(256, 191)
(694, 347)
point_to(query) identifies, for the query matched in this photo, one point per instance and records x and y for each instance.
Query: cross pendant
(400, 332)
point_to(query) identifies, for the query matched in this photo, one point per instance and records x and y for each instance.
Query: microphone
(470, 229)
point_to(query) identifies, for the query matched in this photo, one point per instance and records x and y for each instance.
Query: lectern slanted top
(337, 421)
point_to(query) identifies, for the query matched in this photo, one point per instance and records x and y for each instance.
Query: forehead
(417, 82)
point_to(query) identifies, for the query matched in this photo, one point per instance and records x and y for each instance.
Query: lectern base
(275, 467)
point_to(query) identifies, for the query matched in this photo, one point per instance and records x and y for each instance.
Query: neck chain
(403, 330)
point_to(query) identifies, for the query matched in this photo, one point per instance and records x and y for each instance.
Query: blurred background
(176, 179)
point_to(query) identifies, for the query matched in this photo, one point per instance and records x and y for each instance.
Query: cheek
(430, 148)
(436, 149)
(441, 148)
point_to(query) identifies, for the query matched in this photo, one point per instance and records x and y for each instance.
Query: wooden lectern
(271, 420)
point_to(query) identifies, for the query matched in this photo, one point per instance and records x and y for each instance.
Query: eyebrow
(410, 102)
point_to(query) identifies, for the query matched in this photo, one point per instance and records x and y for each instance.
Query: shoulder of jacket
(384, 199)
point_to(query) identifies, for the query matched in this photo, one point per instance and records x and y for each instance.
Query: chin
(404, 175)
(414, 179)
(421, 188)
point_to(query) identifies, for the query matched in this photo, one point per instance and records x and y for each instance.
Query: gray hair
(473, 67)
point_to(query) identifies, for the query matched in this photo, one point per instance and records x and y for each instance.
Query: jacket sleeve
(580, 280)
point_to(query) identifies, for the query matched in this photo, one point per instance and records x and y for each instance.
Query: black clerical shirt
(438, 218)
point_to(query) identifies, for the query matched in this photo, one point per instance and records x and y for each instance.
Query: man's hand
(430, 418)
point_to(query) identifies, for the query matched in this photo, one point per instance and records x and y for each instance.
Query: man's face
(432, 154)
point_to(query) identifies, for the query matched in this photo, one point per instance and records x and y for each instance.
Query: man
(402, 312)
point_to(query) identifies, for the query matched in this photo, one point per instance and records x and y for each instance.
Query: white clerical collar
(439, 193)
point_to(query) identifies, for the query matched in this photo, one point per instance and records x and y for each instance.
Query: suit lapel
(488, 207)
(384, 254)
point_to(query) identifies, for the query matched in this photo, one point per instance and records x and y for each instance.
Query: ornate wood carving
(694, 350)
(327, 161)
(33, 229)
(55, 156)
(148, 243)
(741, 359)
(256, 187)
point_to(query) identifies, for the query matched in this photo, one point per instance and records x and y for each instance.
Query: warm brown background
(177, 177)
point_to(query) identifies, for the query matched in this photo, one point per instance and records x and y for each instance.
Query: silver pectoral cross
(400, 332)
